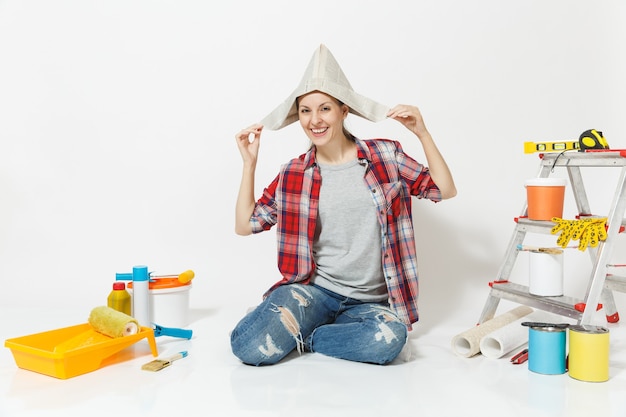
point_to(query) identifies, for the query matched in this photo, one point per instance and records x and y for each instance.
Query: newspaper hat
(324, 74)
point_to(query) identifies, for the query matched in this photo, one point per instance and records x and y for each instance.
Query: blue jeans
(308, 317)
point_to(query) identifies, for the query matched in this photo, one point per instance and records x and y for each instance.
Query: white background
(117, 123)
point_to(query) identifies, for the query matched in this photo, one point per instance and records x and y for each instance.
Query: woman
(346, 246)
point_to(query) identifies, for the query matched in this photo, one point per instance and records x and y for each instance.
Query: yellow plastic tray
(71, 351)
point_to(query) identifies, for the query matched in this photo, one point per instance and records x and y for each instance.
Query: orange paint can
(545, 198)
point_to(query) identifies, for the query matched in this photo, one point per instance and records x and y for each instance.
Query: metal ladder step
(615, 283)
(563, 305)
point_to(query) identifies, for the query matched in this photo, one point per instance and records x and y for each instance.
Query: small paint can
(546, 350)
(545, 274)
(589, 353)
(545, 197)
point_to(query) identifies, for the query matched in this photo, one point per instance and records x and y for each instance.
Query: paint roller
(183, 277)
(106, 323)
(112, 323)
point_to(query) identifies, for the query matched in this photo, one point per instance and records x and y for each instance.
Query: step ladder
(601, 285)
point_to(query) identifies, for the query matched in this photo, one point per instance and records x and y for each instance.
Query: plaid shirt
(291, 201)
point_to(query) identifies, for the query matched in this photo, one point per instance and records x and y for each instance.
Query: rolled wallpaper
(467, 343)
(510, 337)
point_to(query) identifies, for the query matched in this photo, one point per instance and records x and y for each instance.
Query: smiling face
(321, 116)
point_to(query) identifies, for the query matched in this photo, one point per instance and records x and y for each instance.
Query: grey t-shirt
(347, 245)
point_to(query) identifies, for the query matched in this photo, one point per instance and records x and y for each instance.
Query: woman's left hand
(410, 117)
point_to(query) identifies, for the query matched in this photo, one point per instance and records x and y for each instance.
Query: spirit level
(532, 147)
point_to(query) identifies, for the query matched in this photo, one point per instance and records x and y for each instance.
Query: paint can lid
(587, 328)
(546, 182)
(548, 329)
(164, 283)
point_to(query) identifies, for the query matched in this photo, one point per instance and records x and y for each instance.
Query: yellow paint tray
(72, 351)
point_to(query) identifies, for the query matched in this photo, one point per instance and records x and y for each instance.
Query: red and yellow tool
(532, 147)
(589, 139)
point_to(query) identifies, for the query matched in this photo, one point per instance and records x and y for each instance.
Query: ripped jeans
(308, 317)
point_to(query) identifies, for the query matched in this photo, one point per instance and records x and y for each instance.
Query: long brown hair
(345, 130)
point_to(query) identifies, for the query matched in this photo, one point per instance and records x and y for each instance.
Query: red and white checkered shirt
(291, 202)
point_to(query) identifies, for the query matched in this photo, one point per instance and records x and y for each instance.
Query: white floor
(430, 380)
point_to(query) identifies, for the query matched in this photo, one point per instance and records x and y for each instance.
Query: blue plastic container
(546, 350)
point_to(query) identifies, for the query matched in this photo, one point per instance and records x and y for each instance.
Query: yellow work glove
(588, 231)
(566, 228)
(594, 233)
(579, 227)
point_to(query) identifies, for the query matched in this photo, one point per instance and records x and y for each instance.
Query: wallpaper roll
(510, 337)
(112, 323)
(468, 343)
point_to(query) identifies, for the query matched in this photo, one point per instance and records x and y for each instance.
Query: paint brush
(158, 364)
(551, 251)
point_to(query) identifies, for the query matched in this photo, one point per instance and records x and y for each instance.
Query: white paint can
(169, 302)
(545, 274)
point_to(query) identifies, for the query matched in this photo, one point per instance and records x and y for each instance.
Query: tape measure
(592, 139)
(532, 147)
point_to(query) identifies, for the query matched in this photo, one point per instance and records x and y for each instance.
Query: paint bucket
(589, 353)
(546, 350)
(545, 198)
(169, 302)
(545, 274)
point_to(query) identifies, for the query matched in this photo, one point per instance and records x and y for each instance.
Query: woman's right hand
(248, 141)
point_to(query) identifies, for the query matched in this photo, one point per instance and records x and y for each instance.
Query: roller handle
(123, 276)
(171, 331)
(183, 277)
